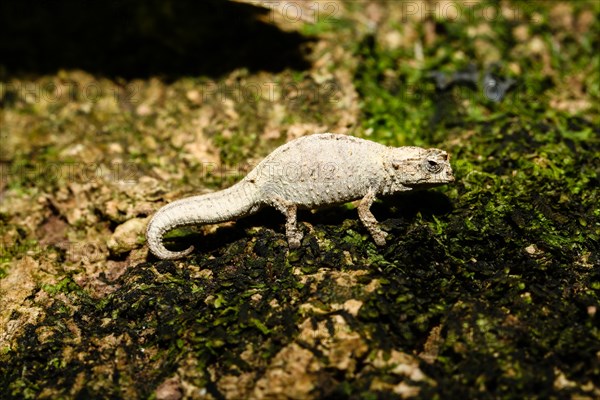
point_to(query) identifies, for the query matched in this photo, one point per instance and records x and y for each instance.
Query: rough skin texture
(309, 172)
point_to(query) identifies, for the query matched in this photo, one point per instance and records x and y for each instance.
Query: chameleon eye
(433, 166)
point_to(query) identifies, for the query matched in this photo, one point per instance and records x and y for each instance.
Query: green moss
(11, 251)
(66, 285)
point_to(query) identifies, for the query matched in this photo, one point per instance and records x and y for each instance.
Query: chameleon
(309, 172)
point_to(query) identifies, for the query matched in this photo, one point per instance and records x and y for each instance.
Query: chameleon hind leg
(294, 235)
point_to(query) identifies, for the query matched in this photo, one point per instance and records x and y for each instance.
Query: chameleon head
(417, 168)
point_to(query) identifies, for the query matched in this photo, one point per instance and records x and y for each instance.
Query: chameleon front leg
(294, 235)
(368, 219)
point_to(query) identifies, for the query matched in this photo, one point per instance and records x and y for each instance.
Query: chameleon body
(309, 172)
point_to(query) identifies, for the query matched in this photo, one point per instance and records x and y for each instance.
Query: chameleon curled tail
(225, 205)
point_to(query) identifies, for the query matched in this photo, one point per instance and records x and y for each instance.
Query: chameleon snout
(450, 176)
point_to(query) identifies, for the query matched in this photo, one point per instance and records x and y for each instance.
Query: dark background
(132, 39)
